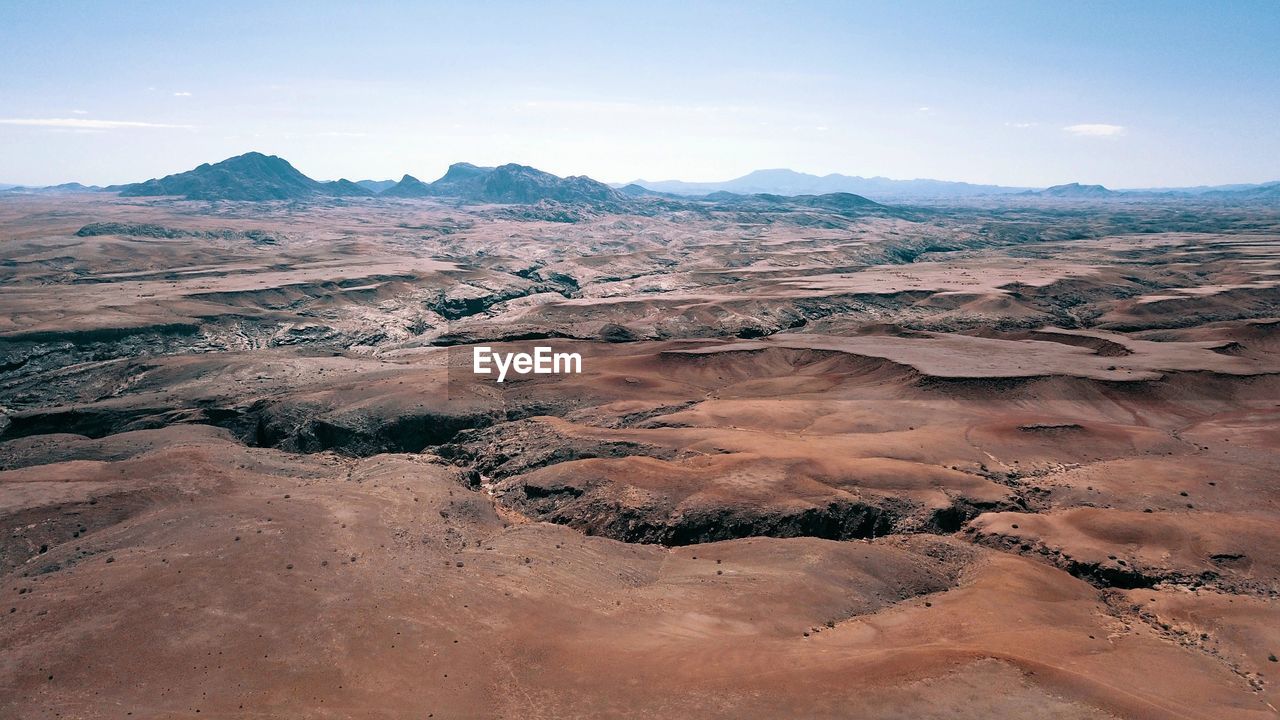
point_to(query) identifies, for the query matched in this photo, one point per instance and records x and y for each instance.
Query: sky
(1026, 93)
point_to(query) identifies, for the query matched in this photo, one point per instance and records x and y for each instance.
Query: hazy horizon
(653, 181)
(1135, 96)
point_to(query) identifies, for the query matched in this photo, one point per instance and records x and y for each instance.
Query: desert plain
(826, 459)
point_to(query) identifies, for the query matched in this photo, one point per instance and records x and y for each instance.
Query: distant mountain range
(375, 186)
(1268, 192)
(790, 182)
(1246, 193)
(258, 177)
(71, 187)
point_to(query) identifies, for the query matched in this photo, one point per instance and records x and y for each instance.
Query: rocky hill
(1075, 190)
(507, 184)
(252, 176)
(408, 187)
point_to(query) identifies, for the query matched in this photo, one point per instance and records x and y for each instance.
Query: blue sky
(1128, 94)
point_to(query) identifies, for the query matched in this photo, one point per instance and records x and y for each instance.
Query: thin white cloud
(622, 107)
(1021, 125)
(86, 123)
(182, 94)
(924, 108)
(80, 112)
(1095, 130)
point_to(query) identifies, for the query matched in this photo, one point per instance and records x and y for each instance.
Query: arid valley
(826, 457)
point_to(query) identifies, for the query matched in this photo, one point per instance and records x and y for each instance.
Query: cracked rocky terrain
(824, 460)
